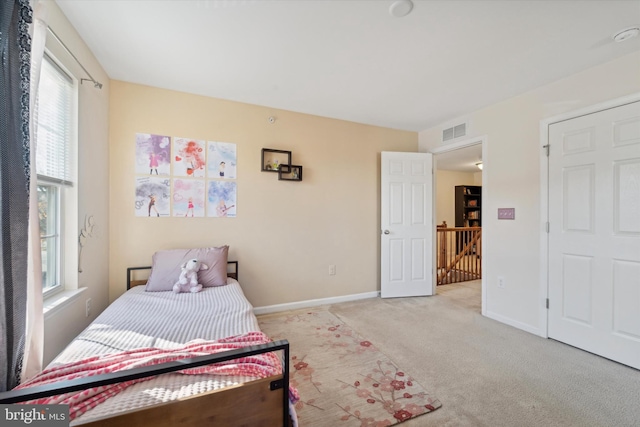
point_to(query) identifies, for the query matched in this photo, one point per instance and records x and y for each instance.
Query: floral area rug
(343, 379)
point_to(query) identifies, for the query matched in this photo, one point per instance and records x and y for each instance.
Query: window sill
(55, 303)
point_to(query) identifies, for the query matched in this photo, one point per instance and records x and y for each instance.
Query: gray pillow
(167, 265)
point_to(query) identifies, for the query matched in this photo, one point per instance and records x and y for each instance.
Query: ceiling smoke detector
(401, 8)
(626, 34)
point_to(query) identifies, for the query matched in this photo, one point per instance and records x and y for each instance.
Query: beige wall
(512, 179)
(477, 178)
(446, 182)
(285, 234)
(93, 187)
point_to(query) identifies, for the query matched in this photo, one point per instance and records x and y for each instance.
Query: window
(48, 203)
(54, 142)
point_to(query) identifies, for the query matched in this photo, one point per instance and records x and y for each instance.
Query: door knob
(386, 232)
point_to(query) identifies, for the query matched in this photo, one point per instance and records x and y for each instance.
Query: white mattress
(164, 320)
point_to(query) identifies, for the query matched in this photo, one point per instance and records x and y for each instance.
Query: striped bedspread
(140, 319)
(163, 320)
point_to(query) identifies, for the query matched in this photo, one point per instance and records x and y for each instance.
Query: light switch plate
(506, 213)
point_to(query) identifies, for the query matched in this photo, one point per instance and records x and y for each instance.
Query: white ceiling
(350, 59)
(461, 160)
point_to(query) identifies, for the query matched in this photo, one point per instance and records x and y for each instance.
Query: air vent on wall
(454, 132)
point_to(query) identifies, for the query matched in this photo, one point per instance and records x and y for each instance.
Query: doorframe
(544, 194)
(484, 140)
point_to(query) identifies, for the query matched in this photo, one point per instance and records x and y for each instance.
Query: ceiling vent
(454, 132)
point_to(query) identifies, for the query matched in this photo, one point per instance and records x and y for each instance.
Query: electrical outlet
(332, 269)
(88, 307)
(501, 282)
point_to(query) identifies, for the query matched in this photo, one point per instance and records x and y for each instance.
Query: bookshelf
(468, 203)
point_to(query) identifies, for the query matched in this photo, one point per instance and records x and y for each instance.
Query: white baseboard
(514, 323)
(313, 303)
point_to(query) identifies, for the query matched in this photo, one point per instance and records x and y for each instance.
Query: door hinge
(547, 303)
(547, 226)
(547, 148)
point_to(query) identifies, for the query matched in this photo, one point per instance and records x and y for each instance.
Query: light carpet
(344, 379)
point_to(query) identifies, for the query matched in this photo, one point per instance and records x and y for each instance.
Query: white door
(594, 237)
(406, 225)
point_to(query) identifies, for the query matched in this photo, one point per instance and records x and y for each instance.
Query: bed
(229, 393)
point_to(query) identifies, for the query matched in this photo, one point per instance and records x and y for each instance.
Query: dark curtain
(15, 48)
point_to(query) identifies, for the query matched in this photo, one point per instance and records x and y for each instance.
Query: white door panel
(594, 238)
(406, 224)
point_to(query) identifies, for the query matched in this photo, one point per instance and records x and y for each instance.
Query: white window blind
(53, 130)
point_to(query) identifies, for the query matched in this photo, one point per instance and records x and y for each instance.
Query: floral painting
(153, 154)
(189, 158)
(221, 160)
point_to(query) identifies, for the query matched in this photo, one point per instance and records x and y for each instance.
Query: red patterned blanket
(259, 366)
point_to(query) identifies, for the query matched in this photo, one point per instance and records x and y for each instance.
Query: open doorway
(459, 188)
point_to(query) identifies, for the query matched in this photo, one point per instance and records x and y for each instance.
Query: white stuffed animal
(188, 280)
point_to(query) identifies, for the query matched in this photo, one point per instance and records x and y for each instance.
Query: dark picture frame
(270, 155)
(293, 174)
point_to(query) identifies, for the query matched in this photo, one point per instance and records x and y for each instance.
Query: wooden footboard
(263, 402)
(248, 404)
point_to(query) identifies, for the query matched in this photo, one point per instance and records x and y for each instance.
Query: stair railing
(459, 254)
